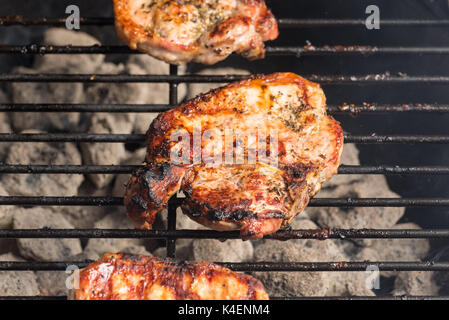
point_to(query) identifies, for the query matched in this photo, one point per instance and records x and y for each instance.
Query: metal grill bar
(122, 169)
(308, 50)
(52, 21)
(283, 23)
(134, 78)
(358, 298)
(363, 298)
(73, 137)
(173, 79)
(171, 219)
(363, 139)
(65, 169)
(297, 23)
(315, 202)
(261, 266)
(32, 298)
(318, 234)
(140, 138)
(119, 78)
(369, 108)
(116, 108)
(386, 108)
(387, 170)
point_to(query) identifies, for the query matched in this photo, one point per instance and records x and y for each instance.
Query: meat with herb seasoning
(204, 31)
(247, 156)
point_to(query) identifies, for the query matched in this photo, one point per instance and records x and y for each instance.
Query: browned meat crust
(135, 277)
(256, 197)
(205, 31)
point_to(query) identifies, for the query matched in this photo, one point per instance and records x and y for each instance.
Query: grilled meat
(135, 277)
(205, 31)
(229, 180)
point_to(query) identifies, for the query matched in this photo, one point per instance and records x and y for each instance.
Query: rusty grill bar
(283, 23)
(132, 78)
(260, 266)
(117, 169)
(315, 202)
(142, 108)
(140, 138)
(171, 219)
(279, 51)
(319, 234)
(173, 79)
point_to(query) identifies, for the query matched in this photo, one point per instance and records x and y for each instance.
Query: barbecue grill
(173, 79)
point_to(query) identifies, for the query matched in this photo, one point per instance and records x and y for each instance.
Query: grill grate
(140, 138)
(173, 79)
(279, 51)
(283, 23)
(117, 169)
(108, 78)
(142, 108)
(262, 266)
(319, 234)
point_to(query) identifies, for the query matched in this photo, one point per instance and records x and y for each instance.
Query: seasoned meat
(204, 31)
(247, 156)
(135, 277)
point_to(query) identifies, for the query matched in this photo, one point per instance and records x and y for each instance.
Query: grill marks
(149, 190)
(197, 209)
(257, 198)
(232, 197)
(125, 276)
(139, 202)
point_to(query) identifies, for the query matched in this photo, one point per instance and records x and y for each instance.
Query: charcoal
(151, 93)
(17, 283)
(44, 249)
(113, 220)
(194, 89)
(415, 283)
(42, 184)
